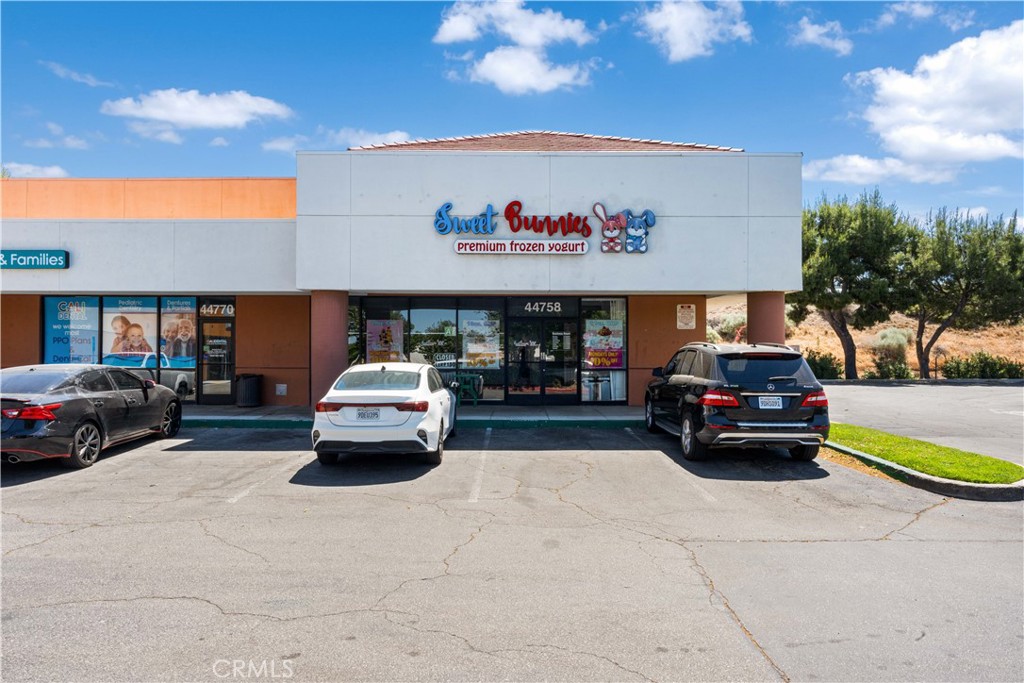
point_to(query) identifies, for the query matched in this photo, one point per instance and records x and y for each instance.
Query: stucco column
(328, 339)
(766, 317)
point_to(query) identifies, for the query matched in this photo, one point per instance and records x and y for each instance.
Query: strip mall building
(536, 267)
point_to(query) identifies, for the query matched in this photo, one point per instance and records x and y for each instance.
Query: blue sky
(924, 100)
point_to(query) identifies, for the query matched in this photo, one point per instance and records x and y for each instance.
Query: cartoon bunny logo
(637, 229)
(611, 229)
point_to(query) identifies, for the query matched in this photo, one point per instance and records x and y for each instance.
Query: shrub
(824, 365)
(889, 350)
(713, 336)
(732, 327)
(982, 365)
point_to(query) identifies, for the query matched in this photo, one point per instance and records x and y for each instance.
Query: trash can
(248, 390)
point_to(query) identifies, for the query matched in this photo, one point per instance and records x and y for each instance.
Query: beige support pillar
(766, 317)
(328, 340)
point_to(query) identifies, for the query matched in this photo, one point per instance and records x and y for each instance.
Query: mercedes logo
(771, 387)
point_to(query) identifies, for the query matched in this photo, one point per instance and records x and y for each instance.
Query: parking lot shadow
(746, 464)
(229, 439)
(16, 474)
(359, 469)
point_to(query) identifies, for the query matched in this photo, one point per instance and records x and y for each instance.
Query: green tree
(967, 272)
(855, 258)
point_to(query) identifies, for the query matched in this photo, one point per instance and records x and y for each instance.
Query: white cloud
(58, 139)
(32, 171)
(859, 170)
(357, 137)
(62, 71)
(959, 105)
(522, 71)
(524, 66)
(469, 21)
(219, 142)
(184, 109)
(829, 35)
(955, 19)
(288, 145)
(684, 30)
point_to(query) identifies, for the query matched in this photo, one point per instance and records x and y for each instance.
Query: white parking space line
(288, 465)
(478, 481)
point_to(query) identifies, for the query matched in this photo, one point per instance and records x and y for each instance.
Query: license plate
(367, 413)
(769, 402)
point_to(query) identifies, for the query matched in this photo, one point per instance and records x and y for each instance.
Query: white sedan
(385, 408)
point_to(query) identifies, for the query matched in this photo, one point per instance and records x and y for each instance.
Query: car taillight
(816, 399)
(720, 399)
(328, 407)
(33, 412)
(417, 407)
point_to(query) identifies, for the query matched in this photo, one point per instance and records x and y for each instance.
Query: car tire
(804, 453)
(86, 445)
(170, 421)
(649, 417)
(182, 390)
(435, 457)
(693, 449)
(451, 433)
(327, 458)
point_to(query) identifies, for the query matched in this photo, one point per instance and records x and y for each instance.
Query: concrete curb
(946, 487)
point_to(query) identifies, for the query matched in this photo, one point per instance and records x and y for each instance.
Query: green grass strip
(928, 458)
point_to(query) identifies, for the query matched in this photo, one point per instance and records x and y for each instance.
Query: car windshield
(379, 379)
(763, 368)
(31, 381)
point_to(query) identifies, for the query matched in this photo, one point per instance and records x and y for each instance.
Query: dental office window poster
(178, 331)
(480, 345)
(72, 328)
(602, 343)
(129, 331)
(383, 340)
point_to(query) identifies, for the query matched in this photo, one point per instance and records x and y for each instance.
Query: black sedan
(73, 412)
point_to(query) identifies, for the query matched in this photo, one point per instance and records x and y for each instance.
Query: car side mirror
(149, 384)
(658, 372)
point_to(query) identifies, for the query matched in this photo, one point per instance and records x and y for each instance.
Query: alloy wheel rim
(687, 435)
(170, 415)
(649, 413)
(87, 443)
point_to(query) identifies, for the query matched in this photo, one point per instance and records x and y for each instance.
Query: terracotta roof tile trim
(543, 140)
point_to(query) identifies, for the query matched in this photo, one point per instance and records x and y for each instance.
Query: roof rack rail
(775, 344)
(702, 343)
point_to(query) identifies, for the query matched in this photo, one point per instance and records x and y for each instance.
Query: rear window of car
(761, 368)
(379, 379)
(31, 381)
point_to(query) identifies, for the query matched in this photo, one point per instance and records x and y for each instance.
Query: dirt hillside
(815, 333)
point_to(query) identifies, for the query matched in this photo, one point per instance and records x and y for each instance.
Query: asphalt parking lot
(550, 554)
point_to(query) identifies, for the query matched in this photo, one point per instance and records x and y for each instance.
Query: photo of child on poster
(130, 327)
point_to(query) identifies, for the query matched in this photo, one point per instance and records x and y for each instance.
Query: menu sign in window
(602, 343)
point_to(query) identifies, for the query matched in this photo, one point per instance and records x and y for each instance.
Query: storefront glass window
(387, 326)
(481, 348)
(130, 331)
(71, 329)
(355, 324)
(604, 349)
(432, 332)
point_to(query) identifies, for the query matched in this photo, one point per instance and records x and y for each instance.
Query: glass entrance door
(543, 361)
(217, 362)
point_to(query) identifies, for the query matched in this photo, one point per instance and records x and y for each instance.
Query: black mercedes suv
(740, 396)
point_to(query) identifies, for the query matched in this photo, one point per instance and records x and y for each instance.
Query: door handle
(132, 401)
(98, 404)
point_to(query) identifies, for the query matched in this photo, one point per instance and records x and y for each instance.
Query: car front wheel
(804, 453)
(649, 416)
(170, 422)
(693, 449)
(85, 446)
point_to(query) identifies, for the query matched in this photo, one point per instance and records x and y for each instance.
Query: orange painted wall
(152, 198)
(19, 329)
(272, 339)
(653, 338)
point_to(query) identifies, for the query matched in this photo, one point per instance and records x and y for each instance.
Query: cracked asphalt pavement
(528, 555)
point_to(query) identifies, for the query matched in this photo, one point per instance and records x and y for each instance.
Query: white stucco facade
(725, 221)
